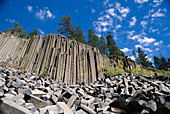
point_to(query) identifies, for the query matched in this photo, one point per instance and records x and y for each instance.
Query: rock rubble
(25, 92)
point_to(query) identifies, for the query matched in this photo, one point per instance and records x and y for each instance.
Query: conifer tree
(79, 35)
(93, 40)
(163, 63)
(142, 59)
(103, 46)
(65, 25)
(156, 62)
(35, 32)
(112, 47)
(72, 33)
(17, 29)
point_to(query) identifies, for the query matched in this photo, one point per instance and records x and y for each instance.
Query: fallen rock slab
(12, 107)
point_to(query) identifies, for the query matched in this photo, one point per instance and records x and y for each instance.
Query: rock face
(25, 92)
(62, 59)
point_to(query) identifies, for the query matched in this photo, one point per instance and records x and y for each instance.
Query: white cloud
(143, 23)
(40, 14)
(30, 8)
(149, 13)
(153, 30)
(165, 29)
(44, 13)
(159, 13)
(93, 10)
(150, 59)
(41, 31)
(98, 35)
(146, 40)
(111, 12)
(125, 50)
(118, 26)
(10, 20)
(133, 58)
(158, 43)
(157, 49)
(130, 34)
(49, 14)
(141, 1)
(134, 37)
(102, 22)
(133, 22)
(105, 2)
(157, 3)
(145, 49)
(104, 29)
(123, 10)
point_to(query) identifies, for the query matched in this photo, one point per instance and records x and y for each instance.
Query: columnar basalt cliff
(62, 59)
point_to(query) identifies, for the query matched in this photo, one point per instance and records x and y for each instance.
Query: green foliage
(112, 71)
(103, 46)
(79, 35)
(112, 47)
(93, 40)
(17, 29)
(162, 63)
(23, 34)
(142, 59)
(65, 25)
(35, 32)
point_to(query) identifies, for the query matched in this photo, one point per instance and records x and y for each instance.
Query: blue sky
(133, 23)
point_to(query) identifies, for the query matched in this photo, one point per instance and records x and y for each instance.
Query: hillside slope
(62, 59)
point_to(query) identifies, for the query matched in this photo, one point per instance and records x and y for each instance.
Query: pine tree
(18, 29)
(79, 35)
(93, 40)
(156, 62)
(142, 59)
(72, 33)
(163, 63)
(65, 25)
(103, 46)
(112, 47)
(35, 32)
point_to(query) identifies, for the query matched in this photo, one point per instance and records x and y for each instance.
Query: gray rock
(89, 110)
(55, 108)
(66, 109)
(30, 106)
(1, 92)
(167, 105)
(12, 107)
(152, 105)
(38, 103)
(71, 100)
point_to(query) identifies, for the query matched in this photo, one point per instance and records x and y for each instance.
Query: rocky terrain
(25, 92)
(62, 59)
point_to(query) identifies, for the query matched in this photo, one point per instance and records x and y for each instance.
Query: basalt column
(60, 58)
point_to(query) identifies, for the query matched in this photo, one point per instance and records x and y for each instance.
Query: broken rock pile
(25, 92)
